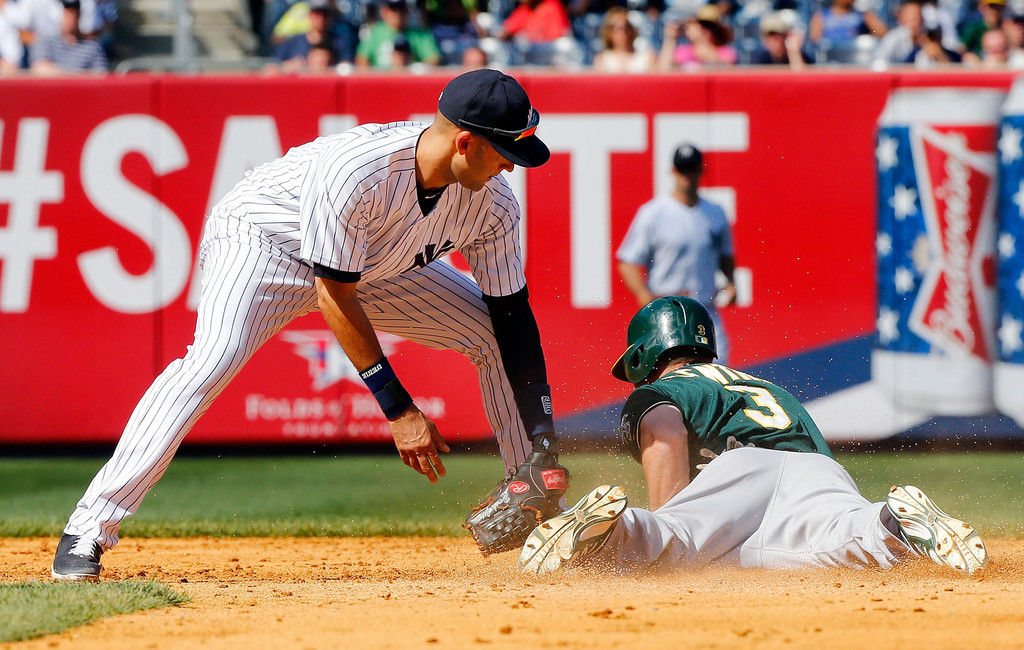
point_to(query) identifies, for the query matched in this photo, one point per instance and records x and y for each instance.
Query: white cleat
(933, 534)
(576, 534)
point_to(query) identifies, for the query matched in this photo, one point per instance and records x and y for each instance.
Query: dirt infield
(440, 593)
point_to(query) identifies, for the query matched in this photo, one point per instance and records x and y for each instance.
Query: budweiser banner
(871, 244)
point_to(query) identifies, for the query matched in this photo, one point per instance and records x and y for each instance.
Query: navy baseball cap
(495, 107)
(687, 158)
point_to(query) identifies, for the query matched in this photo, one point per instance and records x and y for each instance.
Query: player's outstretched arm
(416, 436)
(664, 454)
(531, 492)
(518, 339)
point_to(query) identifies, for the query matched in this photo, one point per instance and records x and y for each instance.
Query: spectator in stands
(708, 42)
(535, 27)
(453, 25)
(68, 50)
(378, 48)
(587, 17)
(930, 51)
(835, 29)
(473, 57)
(293, 54)
(536, 21)
(620, 53)
(898, 43)
(780, 45)
(1013, 27)
(995, 51)
(936, 16)
(321, 57)
(11, 51)
(34, 19)
(39, 19)
(990, 17)
(299, 21)
(401, 53)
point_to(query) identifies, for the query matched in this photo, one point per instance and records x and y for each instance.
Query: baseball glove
(528, 496)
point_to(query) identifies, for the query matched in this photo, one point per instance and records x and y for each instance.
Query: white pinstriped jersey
(348, 202)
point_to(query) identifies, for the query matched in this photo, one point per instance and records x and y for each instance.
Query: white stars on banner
(888, 325)
(904, 280)
(1010, 335)
(904, 202)
(1020, 285)
(1007, 245)
(886, 152)
(1018, 198)
(883, 244)
(1009, 144)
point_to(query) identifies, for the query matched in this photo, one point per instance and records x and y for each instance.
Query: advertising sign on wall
(104, 184)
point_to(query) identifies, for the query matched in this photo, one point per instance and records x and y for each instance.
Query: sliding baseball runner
(737, 473)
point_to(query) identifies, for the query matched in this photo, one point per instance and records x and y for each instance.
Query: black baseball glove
(528, 496)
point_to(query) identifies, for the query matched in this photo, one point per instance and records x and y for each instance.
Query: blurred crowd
(51, 37)
(615, 36)
(632, 36)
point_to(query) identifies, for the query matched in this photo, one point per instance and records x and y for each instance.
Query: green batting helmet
(664, 324)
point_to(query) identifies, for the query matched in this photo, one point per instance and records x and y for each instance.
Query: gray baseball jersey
(343, 207)
(679, 245)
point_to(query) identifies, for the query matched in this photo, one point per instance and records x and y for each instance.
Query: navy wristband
(392, 397)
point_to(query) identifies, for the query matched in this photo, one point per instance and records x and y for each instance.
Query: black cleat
(77, 558)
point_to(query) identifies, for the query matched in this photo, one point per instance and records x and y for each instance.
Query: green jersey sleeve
(637, 405)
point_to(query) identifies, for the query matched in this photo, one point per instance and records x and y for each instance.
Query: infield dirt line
(440, 593)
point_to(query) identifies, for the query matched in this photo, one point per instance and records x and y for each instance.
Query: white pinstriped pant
(249, 292)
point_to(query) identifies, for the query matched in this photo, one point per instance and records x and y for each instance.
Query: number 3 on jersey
(775, 418)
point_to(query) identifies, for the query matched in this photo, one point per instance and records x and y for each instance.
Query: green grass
(377, 495)
(33, 609)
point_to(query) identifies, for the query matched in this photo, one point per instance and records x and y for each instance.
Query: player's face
(477, 162)
(688, 180)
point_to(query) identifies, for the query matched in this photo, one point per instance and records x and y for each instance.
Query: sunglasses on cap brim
(518, 134)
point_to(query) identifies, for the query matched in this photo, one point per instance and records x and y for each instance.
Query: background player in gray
(353, 225)
(714, 497)
(677, 242)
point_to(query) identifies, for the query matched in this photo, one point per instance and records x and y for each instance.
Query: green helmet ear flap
(631, 363)
(666, 323)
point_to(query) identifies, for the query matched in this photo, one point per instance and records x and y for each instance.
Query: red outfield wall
(104, 184)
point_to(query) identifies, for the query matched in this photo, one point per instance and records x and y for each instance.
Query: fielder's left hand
(418, 442)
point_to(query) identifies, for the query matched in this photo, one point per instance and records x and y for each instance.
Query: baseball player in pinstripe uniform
(737, 473)
(353, 225)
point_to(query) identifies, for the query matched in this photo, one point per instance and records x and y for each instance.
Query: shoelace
(86, 548)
